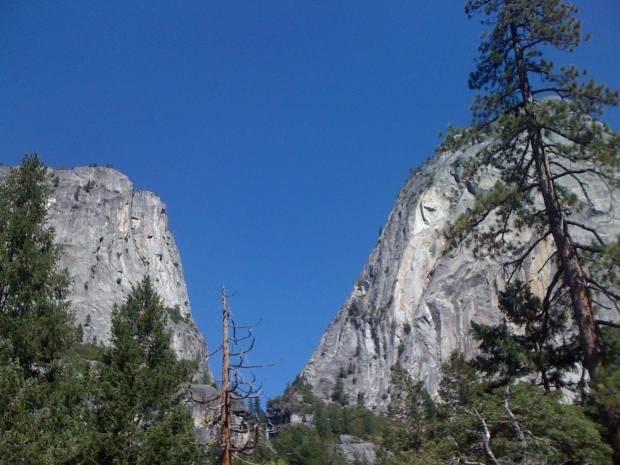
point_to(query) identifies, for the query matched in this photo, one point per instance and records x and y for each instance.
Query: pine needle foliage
(139, 414)
(531, 340)
(34, 311)
(43, 397)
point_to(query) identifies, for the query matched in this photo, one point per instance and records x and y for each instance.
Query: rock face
(203, 401)
(355, 450)
(112, 236)
(413, 303)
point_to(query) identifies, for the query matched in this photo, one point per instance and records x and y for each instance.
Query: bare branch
(519, 261)
(249, 326)
(554, 281)
(215, 351)
(603, 289)
(608, 323)
(586, 228)
(517, 427)
(549, 258)
(486, 437)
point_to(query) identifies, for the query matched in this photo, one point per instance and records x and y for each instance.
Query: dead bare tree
(238, 433)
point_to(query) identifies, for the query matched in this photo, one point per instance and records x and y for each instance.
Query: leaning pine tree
(539, 143)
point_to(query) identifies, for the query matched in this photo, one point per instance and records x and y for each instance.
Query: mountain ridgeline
(415, 300)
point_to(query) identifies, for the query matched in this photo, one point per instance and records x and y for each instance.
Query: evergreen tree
(518, 423)
(537, 341)
(34, 316)
(43, 402)
(539, 144)
(301, 445)
(139, 416)
(409, 417)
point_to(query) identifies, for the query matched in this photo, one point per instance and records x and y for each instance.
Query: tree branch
(608, 323)
(486, 437)
(582, 226)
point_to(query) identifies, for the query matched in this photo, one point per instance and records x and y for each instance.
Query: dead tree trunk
(225, 418)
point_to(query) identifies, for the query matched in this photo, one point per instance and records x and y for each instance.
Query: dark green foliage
(329, 420)
(43, 422)
(303, 446)
(171, 440)
(533, 339)
(42, 401)
(606, 265)
(79, 333)
(86, 351)
(339, 395)
(409, 415)
(552, 432)
(605, 388)
(34, 314)
(138, 415)
(477, 422)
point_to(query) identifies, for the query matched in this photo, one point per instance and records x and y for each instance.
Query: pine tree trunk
(569, 261)
(583, 312)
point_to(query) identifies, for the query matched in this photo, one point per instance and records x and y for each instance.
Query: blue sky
(277, 132)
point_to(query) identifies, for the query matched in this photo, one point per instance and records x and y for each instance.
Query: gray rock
(413, 303)
(204, 403)
(356, 450)
(112, 237)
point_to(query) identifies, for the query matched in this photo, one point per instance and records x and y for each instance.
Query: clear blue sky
(277, 132)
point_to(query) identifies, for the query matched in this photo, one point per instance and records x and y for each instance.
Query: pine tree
(517, 423)
(139, 416)
(34, 311)
(408, 418)
(532, 339)
(538, 144)
(43, 399)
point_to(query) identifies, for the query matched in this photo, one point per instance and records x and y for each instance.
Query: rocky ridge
(413, 303)
(112, 237)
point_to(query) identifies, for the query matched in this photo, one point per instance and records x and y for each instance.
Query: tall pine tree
(540, 143)
(139, 414)
(34, 317)
(43, 400)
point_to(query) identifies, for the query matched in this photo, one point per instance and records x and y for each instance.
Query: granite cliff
(112, 236)
(413, 302)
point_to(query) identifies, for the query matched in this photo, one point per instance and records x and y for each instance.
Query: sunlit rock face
(414, 302)
(112, 237)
